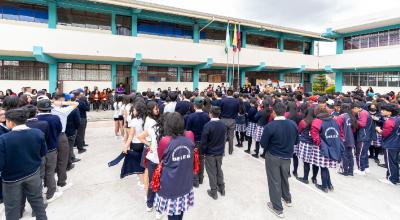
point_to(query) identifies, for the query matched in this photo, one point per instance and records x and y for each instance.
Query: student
(55, 128)
(377, 121)
(185, 106)
(293, 114)
(20, 165)
(83, 107)
(251, 123)
(240, 128)
(364, 137)
(195, 122)
(325, 133)
(175, 171)
(170, 107)
(3, 130)
(262, 117)
(278, 140)
(348, 125)
(213, 146)
(73, 123)
(229, 111)
(118, 118)
(391, 143)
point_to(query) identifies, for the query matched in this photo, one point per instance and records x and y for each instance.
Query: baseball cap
(44, 104)
(198, 100)
(42, 97)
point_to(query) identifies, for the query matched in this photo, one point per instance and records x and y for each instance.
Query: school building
(73, 43)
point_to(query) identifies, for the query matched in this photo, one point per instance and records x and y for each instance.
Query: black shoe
(238, 144)
(81, 151)
(370, 156)
(200, 181)
(343, 173)
(222, 192)
(294, 174)
(247, 151)
(325, 190)
(302, 180)
(314, 181)
(262, 156)
(70, 167)
(377, 161)
(330, 187)
(75, 160)
(212, 195)
(382, 165)
(85, 145)
(255, 155)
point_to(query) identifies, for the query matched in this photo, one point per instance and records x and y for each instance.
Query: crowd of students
(170, 138)
(37, 140)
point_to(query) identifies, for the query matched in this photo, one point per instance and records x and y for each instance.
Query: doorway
(124, 76)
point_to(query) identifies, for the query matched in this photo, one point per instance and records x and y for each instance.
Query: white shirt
(62, 113)
(136, 123)
(280, 118)
(170, 107)
(149, 126)
(117, 109)
(20, 128)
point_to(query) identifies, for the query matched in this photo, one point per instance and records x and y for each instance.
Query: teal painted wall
(196, 73)
(134, 25)
(113, 76)
(281, 76)
(134, 74)
(339, 45)
(244, 39)
(52, 10)
(179, 73)
(242, 77)
(196, 33)
(281, 44)
(113, 23)
(52, 77)
(338, 81)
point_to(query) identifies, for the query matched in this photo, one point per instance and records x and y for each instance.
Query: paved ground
(98, 193)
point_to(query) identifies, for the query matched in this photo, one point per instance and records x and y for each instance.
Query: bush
(330, 89)
(320, 83)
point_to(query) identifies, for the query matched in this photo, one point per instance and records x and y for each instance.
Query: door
(307, 83)
(124, 76)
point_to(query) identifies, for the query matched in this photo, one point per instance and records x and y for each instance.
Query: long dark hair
(346, 108)
(173, 125)
(141, 111)
(309, 116)
(242, 108)
(293, 115)
(267, 104)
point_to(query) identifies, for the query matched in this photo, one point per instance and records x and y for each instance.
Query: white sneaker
(56, 195)
(384, 180)
(159, 215)
(149, 209)
(367, 170)
(65, 188)
(359, 172)
(288, 204)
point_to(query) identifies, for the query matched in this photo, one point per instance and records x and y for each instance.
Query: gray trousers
(71, 143)
(215, 174)
(62, 159)
(278, 180)
(50, 169)
(32, 188)
(80, 135)
(230, 131)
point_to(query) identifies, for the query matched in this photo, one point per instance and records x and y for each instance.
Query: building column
(242, 77)
(339, 45)
(179, 74)
(338, 81)
(196, 73)
(302, 79)
(312, 48)
(281, 43)
(196, 33)
(312, 82)
(244, 39)
(134, 25)
(230, 77)
(113, 76)
(52, 14)
(134, 74)
(114, 23)
(52, 77)
(281, 76)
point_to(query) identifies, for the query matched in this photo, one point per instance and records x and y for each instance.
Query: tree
(320, 83)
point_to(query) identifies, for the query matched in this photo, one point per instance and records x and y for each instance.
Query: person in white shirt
(170, 107)
(118, 117)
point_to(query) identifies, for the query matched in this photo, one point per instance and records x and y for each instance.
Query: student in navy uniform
(73, 124)
(325, 133)
(262, 117)
(377, 121)
(391, 142)
(20, 165)
(251, 123)
(240, 129)
(293, 114)
(195, 122)
(278, 140)
(176, 152)
(364, 137)
(83, 107)
(3, 130)
(218, 99)
(213, 146)
(185, 107)
(229, 111)
(55, 127)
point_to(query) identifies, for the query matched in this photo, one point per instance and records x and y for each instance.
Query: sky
(311, 15)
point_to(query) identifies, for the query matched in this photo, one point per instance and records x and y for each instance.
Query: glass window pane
(213, 76)
(186, 75)
(347, 79)
(394, 37)
(23, 70)
(393, 79)
(383, 38)
(262, 41)
(355, 42)
(294, 45)
(364, 41)
(363, 79)
(347, 43)
(355, 77)
(373, 40)
(371, 79)
(382, 81)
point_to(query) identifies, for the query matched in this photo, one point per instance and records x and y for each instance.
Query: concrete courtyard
(99, 193)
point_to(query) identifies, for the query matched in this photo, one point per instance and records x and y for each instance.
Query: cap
(198, 100)
(314, 98)
(42, 97)
(330, 102)
(44, 104)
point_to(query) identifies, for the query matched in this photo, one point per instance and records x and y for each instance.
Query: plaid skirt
(296, 149)
(258, 133)
(174, 206)
(305, 152)
(240, 128)
(378, 142)
(320, 160)
(251, 127)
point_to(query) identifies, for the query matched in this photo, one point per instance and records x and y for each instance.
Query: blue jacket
(391, 133)
(55, 129)
(73, 123)
(330, 139)
(229, 107)
(195, 122)
(41, 125)
(83, 107)
(251, 113)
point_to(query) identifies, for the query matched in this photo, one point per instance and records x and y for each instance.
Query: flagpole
(238, 76)
(233, 69)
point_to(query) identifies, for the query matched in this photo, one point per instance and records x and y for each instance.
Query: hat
(314, 98)
(198, 101)
(42, 97)
(330, 102)
(44, 105)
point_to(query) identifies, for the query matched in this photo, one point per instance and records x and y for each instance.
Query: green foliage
(320, 83)
(330, 89)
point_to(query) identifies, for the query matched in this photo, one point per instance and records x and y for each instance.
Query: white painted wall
(143, 86)
(381, 90)
(68, 86)
(16, 85)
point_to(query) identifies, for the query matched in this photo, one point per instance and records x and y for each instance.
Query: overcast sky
(312, 15)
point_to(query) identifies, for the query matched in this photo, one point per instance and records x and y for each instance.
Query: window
(371, 79)
(355, 79)
(292, 78)
(307, 47)
(381, 77)
(186, 74)
(373, 40)
(124, 25)
(376, 39)
(164, 29)
(394, 37)
(23, 12)
(363, 79)
(364, 41)
(84, 72)
(294, 45)
(355, 42)
(83, 19)
(23, 70)
(157, 74)
(213, 35)
(347, 43)
(213, 76)
(262, 41)
(347, 79)
(383, 38)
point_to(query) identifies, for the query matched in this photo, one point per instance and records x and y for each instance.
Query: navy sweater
(19, 160)
(213, 138)
(3, 129)
(83, 107)
(55, 129)
(184, 107)
(229, 107)
(279, 138)
(73, 123)
(41, 125)
(251, 113)
(216, 102)
(195, 122)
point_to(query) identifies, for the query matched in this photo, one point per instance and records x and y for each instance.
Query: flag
(227, 39)
(239, 39)
(235, 40)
